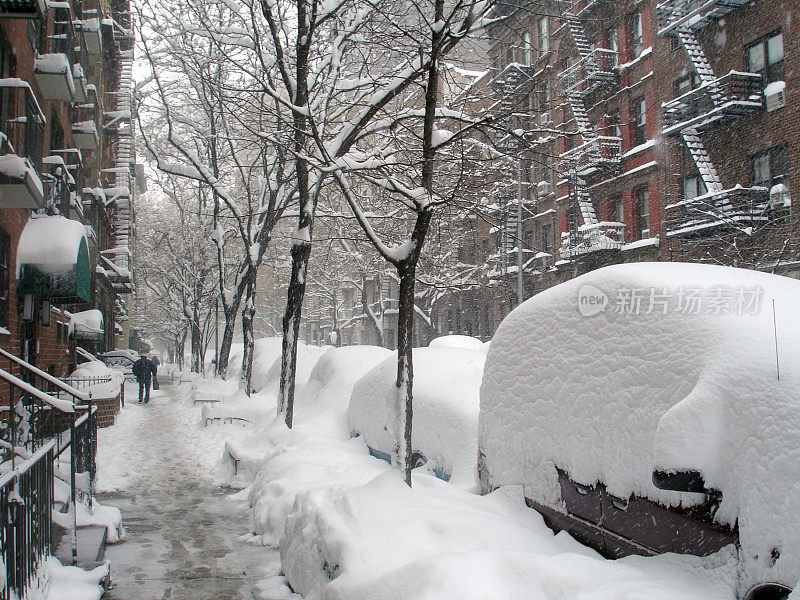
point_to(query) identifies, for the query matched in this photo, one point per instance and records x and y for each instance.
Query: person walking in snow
(144, 370)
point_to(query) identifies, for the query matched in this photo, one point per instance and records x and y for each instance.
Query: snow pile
(446, 402)
(307, 357)
(50, 243)
(657, 365)
(466, 342)
(73, 583)
(93, 370)
(265, 352)
(319, 406)
(384, 541)
(109, 517)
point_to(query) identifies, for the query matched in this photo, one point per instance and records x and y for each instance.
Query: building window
(544, 35)
(547, 238)
(766, 57)
(527, 48)
(770, 167)
(693, 187)
(641, 196)
(686, 83)
(617, 211)
(639, 122)
(612, 41)
(5, 283)
(636, 37)
(614, 125)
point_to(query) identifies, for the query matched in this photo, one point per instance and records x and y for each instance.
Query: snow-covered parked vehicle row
(655, 407)
(446, 403)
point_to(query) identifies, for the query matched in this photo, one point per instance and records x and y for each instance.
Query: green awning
(53, 261)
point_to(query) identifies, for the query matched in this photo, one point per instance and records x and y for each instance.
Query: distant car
(121, 360)
(655, 407)
(446, 403)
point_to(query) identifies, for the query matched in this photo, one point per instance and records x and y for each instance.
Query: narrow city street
(186, 537)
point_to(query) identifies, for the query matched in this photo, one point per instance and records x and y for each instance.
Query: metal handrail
(32, 370)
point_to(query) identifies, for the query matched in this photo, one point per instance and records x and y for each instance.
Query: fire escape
(596, 154)
(714, 101)
(511, 84)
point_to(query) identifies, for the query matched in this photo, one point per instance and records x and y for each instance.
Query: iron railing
(26, 501)
(733, 95)
(596, 68)
(695, 14)
(732, 208)
(592, 238)
(600, 153)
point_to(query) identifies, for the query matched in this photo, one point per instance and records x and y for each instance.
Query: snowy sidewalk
(187, 538)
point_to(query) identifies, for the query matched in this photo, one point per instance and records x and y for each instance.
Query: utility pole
(216, 337)
(519, 234)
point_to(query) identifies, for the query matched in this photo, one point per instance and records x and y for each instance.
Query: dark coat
(143, 369)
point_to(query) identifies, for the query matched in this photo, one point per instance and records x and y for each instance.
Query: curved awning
(53, 260)
(87, 325)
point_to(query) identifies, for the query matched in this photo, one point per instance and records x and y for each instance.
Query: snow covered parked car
(444, 433)
(655, 407)
(121, 360)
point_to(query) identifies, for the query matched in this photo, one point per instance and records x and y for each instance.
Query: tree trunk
(248, 314)
(403, 408)
(195, 346)
(227, 334)
(291, 329)
(367, 314)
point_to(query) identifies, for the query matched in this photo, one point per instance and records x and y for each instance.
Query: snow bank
(50, 243)
(466, 342)
(73, 583)
(265, 352)
(574, 380)
(385, 541)
(307, 357)
(320, 407)
(97, 369)
(446, 402)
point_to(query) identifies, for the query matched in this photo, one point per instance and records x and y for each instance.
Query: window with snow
(636, 35)
(639, 122)
(641, 198)
(6, 70)
(612, 43)
(693, 186)
(766, 57)
(614, 125)
(527, 48)
(686, 83)
(770, 167)
(5, 251)
(544, 35)
(547, 238)
(617, 211)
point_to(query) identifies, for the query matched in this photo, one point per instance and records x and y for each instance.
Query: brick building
(642, 131)
(66, 163)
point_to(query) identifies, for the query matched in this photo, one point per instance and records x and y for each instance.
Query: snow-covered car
(120, 360)
(655, 407)
(446, 402)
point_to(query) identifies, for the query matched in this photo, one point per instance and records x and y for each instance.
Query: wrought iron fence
(26, 501)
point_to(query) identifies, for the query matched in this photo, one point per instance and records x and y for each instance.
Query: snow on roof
(656, 365)
(50, 243)
(87, 321)
(446, 384)
(52, 63)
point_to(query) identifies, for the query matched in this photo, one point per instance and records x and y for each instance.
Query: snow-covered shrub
(662, 366)
(446, 386)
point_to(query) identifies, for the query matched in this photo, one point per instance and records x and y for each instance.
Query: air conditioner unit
(544, 119)
(775, 96)
(543, 188)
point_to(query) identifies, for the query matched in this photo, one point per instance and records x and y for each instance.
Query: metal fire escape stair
(705, 167)
(582, 121)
